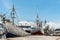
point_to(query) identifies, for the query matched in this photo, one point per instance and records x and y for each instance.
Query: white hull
(15, 30)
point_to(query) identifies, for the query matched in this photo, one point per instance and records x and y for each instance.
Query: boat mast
(37, 19)
(13, 14)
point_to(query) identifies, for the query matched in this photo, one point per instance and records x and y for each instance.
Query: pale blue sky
(26, 9)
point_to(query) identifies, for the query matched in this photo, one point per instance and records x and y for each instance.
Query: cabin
(57, 32)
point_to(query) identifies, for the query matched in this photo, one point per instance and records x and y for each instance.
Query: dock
(34, 37)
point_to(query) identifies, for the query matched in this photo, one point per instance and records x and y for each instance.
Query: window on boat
(1, 26)
(25, 26)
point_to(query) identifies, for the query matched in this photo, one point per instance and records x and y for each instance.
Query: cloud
(27, 23)
(54, 25)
